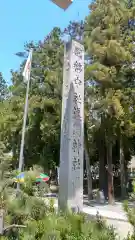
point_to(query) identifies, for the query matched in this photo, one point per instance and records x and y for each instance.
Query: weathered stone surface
(72, 132)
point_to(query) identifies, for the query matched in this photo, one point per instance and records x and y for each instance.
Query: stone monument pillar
(72, 129)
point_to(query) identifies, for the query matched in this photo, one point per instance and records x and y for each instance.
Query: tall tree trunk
(110, 173)
(122, 171)
(86, 151)
(101, 140)
(102, 159)
(89, 177)
(102, 170)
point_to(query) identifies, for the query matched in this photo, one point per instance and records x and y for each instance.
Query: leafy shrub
(129, 208)
(41, 221)
(67, 226)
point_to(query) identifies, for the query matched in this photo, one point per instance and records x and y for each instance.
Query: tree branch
(13, 226)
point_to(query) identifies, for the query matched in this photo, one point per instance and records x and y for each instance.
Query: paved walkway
(122, 228)
(114, 215)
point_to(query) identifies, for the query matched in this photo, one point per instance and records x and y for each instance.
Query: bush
(129, 208)
(41, 222)
(67, 226)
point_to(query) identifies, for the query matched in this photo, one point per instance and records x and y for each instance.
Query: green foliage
(130, 212)
(20, 208)
(3, 88)
(109, 96)
(109, 107)
(129, 209)
(109, 41)
(43, 125)
(111, 55)
(36, 219)
(68, 226)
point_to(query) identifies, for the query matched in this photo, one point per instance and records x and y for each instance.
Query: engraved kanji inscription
(78, 52)
(76, 112)
(77, 81)
(75, 163)
(72, 128)
(77, 67)
(76, 145)
(77, 98)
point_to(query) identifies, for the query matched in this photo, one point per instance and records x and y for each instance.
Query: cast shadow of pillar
(71, 165)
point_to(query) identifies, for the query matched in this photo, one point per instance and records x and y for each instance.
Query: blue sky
(24, 20)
